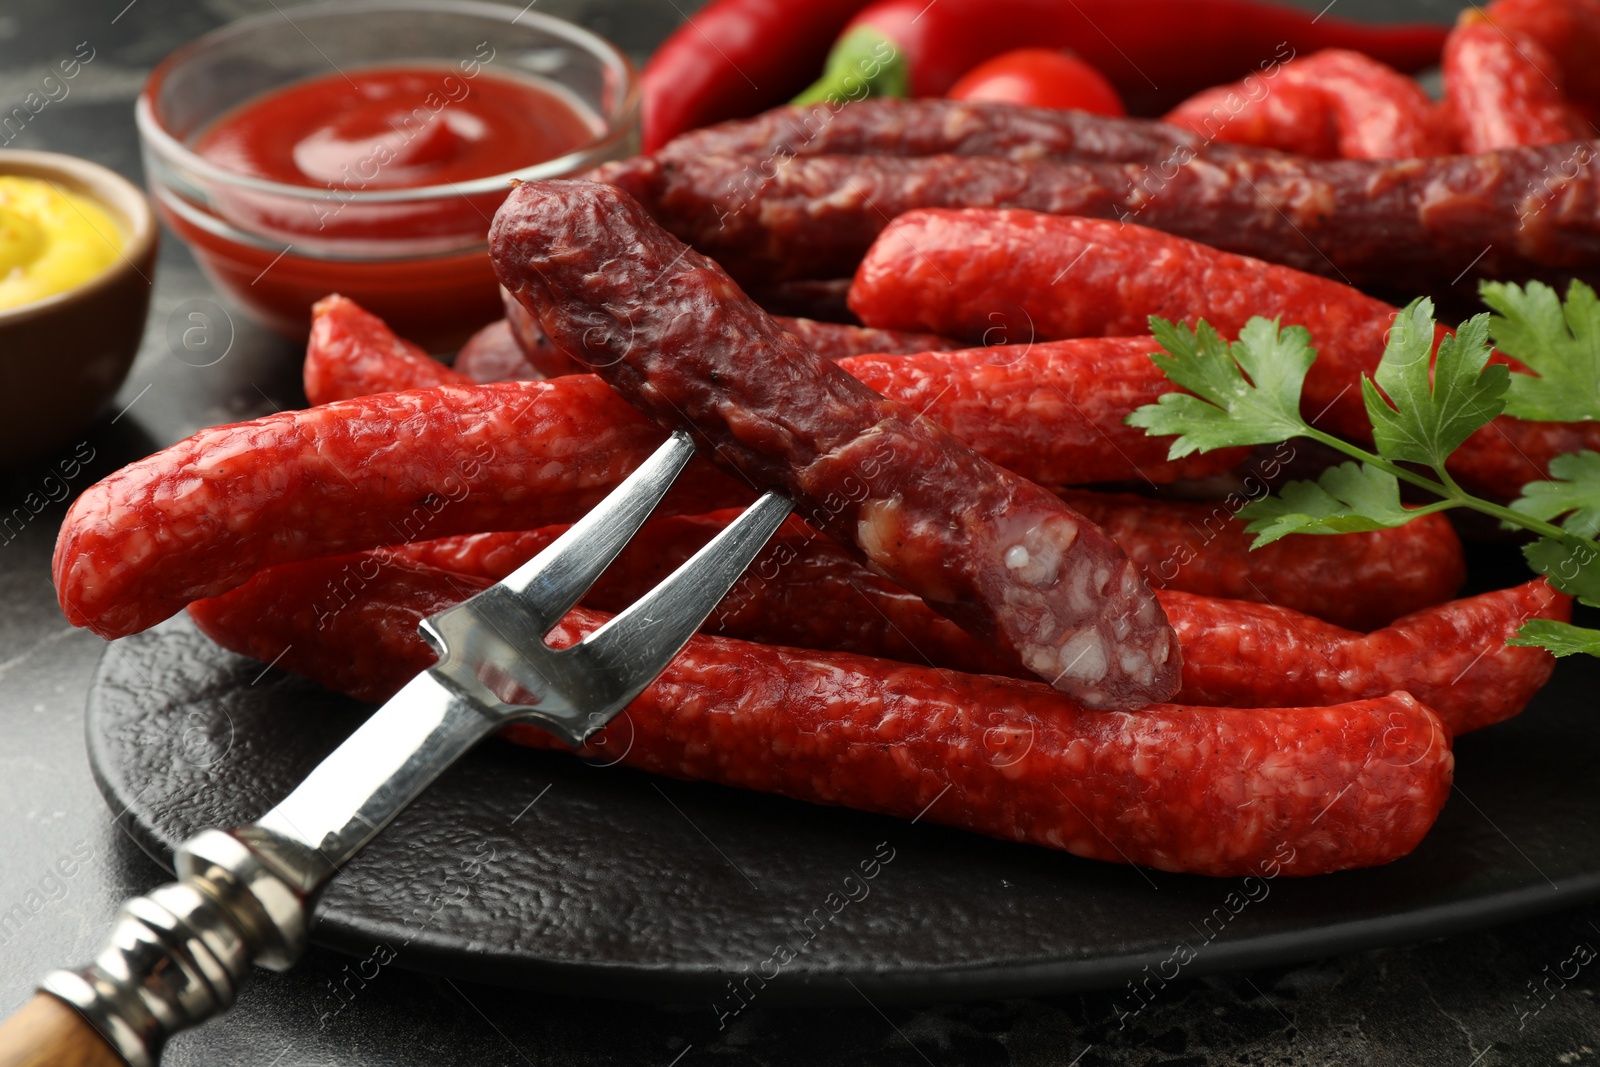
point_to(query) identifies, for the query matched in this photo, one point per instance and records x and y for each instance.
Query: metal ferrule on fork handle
(176, 956)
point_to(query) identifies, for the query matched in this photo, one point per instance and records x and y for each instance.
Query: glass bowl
(417, 257)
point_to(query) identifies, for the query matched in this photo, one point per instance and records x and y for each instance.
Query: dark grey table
(1485, 998)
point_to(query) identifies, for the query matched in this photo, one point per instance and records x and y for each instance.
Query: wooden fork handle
(46, 1032)
(174, 958)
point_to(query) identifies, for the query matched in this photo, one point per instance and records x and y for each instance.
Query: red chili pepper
(733, 58)
(1039, 77)
(1156, 52)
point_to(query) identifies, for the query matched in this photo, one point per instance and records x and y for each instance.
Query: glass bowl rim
(159, 140)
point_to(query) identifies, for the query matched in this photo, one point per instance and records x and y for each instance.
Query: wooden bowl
(64, 357)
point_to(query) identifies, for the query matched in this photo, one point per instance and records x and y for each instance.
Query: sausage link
(1360, 581)
(490, 355)
(1054, 413)
(673, 334)
(948, 270)
(520, 335)
(1202, 790)
(1378, 112)
(885, 126)
(1212, 791)
(1504, 90)
(1402, 224)
(836, 341)
(822, 299)
(545, 356)
(195, 518)
(804, 591)
(1331, 104)
(348, 622)
(1280, 115)
(352, 352)
(1453, 657)
(201, 516)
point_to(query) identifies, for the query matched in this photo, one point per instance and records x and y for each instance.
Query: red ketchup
(419, 263)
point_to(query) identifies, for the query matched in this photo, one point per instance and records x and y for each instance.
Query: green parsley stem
(1452, 494)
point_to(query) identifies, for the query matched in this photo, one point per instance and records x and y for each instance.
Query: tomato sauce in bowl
(396, 128)
(376, 171)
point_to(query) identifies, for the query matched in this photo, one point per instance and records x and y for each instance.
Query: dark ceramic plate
(538, 870)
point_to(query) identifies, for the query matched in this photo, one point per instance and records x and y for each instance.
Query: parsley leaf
(1561, 345)
(1348, 498)
(1228, 408)
(1574, 487)
(1567, 565)
(1557, 638)
(1422, 420)
(1423, 404)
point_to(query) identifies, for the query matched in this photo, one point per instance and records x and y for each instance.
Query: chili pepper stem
(864, 63)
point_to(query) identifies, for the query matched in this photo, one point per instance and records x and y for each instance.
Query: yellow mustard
(51, 240)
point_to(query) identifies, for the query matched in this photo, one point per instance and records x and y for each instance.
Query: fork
(176, 956)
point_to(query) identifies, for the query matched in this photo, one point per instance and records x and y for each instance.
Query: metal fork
(176, 956)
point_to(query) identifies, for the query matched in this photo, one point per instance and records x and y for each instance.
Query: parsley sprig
(1422, 406)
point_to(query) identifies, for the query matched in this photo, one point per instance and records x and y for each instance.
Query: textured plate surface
(536, 869)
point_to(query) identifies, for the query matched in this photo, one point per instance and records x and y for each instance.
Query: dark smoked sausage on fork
(670, 331)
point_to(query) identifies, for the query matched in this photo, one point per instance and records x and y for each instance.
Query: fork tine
(573, 692)
(641, 641)
(549, 584)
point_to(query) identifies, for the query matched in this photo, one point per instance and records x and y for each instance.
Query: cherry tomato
(1039, 77)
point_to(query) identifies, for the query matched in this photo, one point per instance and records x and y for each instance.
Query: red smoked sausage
(1378, 112)
(1071, 277)
(671, 332)
(494, 353)
(1402, 224)
(1215, 791)
(1569, 30)
(1054, 413)
(804, 591)
(1203, 790)
(206, 513)
(490, 355)
(350, 348)
(1359, 581)
(833, 340)
(203, 515)
(1454, 656)
(886, 126)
